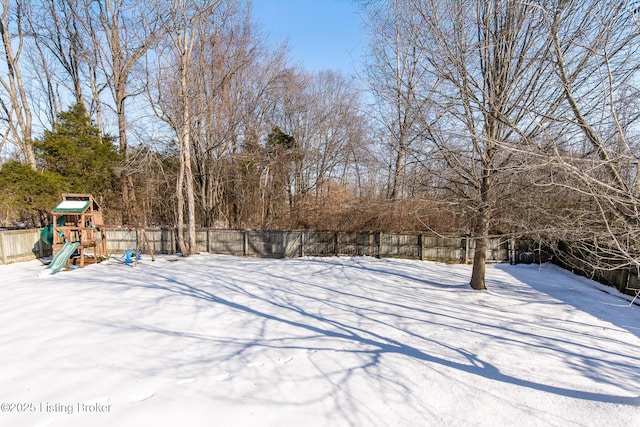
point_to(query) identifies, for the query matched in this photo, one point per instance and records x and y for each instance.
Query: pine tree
(75, 150)
(28, 194)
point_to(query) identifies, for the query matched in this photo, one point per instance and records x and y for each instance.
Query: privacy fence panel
(445, 249)
(320, 243)
(264, 244)
(498, 250)
(22, 245)
(273, 243)
(120, 240)
(227, 242)
(347, 244)
(158, 240)
(399, 246)
(293, 244)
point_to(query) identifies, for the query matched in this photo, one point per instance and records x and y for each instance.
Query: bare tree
(321, 112)
(394, 75)
(56, 27)
(123, 31)
(530, 98)
(192, 71)
(14, 100)
(233, 72)
(594, 46)
(335, 131)
(484, 74)
(246, 186)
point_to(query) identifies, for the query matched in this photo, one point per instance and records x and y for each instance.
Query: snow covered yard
(225, 341)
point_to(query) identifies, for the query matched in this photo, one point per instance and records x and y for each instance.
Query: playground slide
(61, 257)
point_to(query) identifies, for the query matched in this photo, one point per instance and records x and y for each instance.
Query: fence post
(624, 281)
(421, 247)
(285, 242)
(466, 249)
(380, 245)
(302, 235)
(245, 243)
(172, 240)
(3, 248)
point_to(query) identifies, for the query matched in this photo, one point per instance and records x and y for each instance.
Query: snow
(225, 341)
(72, 205)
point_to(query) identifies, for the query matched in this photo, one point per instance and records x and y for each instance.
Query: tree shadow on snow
(578, 292)
(273, 301)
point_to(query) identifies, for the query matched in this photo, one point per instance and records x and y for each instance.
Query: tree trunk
(186, 49)
(188, 181)
(481, 231)
(480, 253)
(398, 171)
(126, 180)
(180, 204)
(12, 82)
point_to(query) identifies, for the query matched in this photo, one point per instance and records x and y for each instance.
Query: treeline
(468, 116)
(202, 112)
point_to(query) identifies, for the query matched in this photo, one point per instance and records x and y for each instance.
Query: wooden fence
(625, 279)
(22, 245)
(297, 243)
(26, 244)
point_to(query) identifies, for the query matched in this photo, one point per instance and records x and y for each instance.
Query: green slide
(61, 257)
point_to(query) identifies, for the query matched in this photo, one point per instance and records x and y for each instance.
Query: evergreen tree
(279, 142)
(281, 151)
(28, 194)
(76, 151)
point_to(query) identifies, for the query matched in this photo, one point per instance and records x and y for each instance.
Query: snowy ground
(224, 341)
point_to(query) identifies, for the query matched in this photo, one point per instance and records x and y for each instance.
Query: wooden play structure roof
(73, 203)
(72, 206)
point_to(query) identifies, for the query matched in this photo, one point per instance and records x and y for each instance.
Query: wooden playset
(79, 230)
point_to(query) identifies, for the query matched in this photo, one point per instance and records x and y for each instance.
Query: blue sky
(321, 34)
